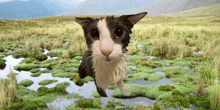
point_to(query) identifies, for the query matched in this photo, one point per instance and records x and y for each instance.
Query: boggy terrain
(174, 63)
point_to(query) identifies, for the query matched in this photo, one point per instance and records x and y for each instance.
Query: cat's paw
(126, 93)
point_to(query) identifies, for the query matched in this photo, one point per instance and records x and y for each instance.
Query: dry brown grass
(8, 91)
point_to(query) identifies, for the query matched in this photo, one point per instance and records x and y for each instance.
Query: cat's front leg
(100, 90)
(122, 88)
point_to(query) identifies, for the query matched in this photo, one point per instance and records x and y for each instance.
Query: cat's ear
(84, 21)
(134, 18)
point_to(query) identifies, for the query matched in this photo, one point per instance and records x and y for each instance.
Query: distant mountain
(106, 6)
(34, 8)
(168, 6)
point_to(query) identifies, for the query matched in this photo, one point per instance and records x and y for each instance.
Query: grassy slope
(211, 10)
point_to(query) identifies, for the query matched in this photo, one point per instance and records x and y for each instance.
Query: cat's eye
(95, 34)
(118, 32)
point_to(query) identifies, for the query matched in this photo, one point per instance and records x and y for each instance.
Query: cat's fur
(107, 39)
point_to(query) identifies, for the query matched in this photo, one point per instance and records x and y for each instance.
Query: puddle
(46, 53)
(61, 103)
(42, 68)
(149, 56)
(10, 63)
(129, 67)
(162, 81)
(140, 45)
(198, 53)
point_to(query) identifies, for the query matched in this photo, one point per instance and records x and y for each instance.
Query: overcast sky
(74, 1)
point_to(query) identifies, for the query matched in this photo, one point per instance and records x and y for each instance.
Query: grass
(173, 39)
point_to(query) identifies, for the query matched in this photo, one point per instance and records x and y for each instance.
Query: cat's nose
(106, 53)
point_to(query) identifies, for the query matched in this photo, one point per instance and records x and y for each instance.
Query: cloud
(5, 0)
(73, 1)
(77, 1)
(10, 0)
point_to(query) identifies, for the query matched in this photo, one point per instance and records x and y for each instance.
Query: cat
(107, 39)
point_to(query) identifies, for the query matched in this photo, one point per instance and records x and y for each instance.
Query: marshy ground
(174, 64)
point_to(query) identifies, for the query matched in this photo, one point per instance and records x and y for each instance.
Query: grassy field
(172, 38)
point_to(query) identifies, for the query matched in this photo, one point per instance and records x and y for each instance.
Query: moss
(156, 107)
(56, 52)
(2, 64)
(78, 81)
(173, 73)
(130, 76)
(198, 59)
(149, 62)
(41, 57)
(87, 79)
(192, 64)
(125, 80)
(78, 58)
(57, 89)
(48, 61)
(20, 53)
(142, 76)
(50, 65)
(73, 77)
(75, 70)
(96, 95)
(47, 81)
(74, 95)
(140, 108)
(28, 60)
(26, 67)
(191, 79)
(72, 55)
(177, 92)
(45, 71)
(65, 84)
(88, 103)
(2, 49)
(35, 70)
(25, 104)
(36, 74)
(111, 103)
(199, 100)
(42, 90)
(60, 70)
(166, 87)
(176, 100)
(26, 82)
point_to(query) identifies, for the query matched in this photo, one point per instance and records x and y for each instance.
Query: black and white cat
(107, 39)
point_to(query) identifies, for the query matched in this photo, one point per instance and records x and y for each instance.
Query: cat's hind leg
(122, 88)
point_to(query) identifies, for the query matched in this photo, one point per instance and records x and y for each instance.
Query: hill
(33, 8)
(212, 10)
(168, 6)
(106, 6)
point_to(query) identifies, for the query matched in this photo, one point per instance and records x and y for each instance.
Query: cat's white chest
(109, 74)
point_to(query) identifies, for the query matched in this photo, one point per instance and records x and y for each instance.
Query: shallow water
(86, 90)
(162, 81)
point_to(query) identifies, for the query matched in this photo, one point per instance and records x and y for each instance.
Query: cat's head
(108, 37)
